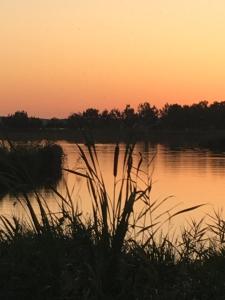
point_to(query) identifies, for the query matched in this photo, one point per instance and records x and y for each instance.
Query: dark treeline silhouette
(20, 120)
(200, 115)
(196, 116)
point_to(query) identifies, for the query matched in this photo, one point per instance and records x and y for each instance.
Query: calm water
(191, 176)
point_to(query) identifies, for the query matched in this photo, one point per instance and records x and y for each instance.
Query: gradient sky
(61, 56)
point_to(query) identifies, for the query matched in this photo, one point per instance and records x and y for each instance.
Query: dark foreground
(59, 267)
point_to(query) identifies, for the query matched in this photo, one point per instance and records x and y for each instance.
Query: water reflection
(193, 176)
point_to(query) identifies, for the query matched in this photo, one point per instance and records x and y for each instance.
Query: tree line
(200, 115)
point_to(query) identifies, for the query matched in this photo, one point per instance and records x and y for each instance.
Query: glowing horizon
(59, 57)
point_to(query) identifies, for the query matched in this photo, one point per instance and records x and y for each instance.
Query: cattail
(139, 163)
(129, 164)
(116, 158)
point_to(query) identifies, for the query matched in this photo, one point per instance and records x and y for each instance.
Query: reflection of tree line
(191, 159)
(175, 158)
(172, 116)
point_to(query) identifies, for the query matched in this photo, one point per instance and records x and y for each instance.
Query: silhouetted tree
(147, 114)
(20, 120)
(75, 120)
(91, 117)
(216, 115)
(105, 118)
(129, 116)
(115, 114)
(172, 116)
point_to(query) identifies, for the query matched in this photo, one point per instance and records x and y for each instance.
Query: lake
(189, 176)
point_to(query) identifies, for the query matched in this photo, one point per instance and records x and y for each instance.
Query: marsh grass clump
(27, 167)
(120, 251)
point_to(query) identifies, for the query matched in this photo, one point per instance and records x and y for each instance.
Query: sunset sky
(62, 56)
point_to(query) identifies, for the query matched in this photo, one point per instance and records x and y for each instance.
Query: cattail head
(129, 164)
(116, 158)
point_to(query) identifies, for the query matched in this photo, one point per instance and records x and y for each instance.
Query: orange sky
(61, 56)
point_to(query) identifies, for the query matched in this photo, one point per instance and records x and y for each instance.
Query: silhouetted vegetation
(201, 115)
(146, 115)
(195, 116)
(201, 124)
(119, 253)
(25, 168)
(20, 120)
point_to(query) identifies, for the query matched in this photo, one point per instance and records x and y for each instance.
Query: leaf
(186, 210)
(77, 173)
(147, 227)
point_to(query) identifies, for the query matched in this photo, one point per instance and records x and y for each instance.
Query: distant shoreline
(108, 135)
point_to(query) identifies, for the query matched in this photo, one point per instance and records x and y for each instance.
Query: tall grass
(120, 252)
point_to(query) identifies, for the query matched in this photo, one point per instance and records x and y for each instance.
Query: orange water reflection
(192, 176)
